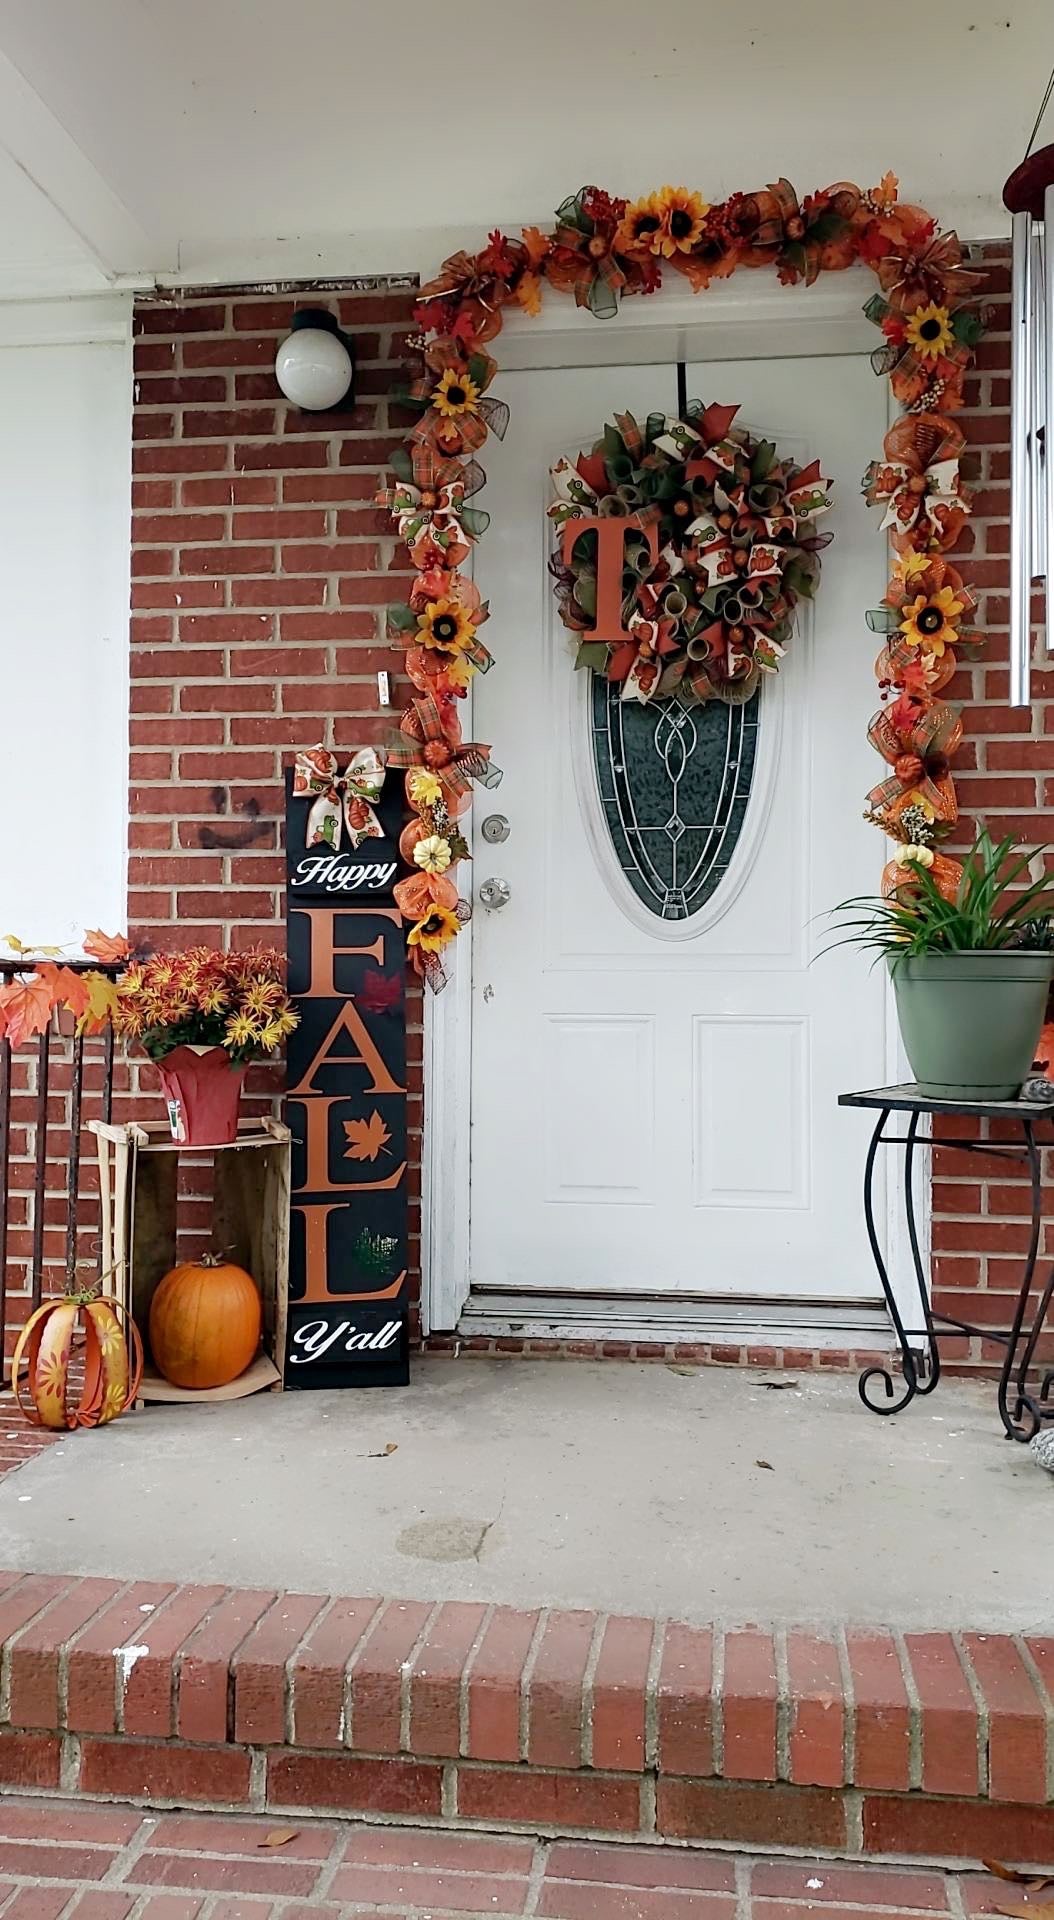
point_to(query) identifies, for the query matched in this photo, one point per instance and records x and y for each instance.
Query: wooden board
(261, 1374)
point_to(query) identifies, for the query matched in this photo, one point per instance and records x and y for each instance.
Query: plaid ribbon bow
(918, 482)
(918, 755)
(434, 745)
(347, 797)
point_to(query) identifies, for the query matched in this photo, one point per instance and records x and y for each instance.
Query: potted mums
(202, 1017)
(971, 968)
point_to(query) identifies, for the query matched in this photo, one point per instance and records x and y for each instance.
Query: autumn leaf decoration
(366, 1138)
(29, 998)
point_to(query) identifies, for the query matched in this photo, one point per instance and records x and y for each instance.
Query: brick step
(861, 1742)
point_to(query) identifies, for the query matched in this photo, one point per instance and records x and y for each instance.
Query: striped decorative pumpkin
(113, 1362)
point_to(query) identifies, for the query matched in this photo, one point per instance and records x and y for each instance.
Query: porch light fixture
(314, 365)
(1029, 197)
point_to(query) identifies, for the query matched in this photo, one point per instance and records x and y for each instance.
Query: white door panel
(653, 1103)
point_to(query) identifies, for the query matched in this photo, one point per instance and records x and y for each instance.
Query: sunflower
(929, 331)
(930, 621)
(445, 624)
(455, 394)
(423, 788)
(432, 853)
(683, 214)
(640, 229)
(433, 933)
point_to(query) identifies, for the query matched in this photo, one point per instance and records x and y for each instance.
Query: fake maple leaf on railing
(28, 999)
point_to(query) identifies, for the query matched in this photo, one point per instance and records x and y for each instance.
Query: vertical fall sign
(346, 1107)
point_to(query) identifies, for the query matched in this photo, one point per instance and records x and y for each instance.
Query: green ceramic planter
(970, 1022)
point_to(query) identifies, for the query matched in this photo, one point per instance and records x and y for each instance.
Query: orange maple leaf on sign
(110, 948)
(368, 1138)
(25, 1008)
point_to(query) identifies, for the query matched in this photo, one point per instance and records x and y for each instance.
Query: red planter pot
(202, 1089)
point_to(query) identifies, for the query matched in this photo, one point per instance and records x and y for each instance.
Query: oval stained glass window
(674, 780)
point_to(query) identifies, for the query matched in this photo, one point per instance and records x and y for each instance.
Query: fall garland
(600, 250)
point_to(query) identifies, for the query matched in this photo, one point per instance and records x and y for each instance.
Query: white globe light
(313, 368)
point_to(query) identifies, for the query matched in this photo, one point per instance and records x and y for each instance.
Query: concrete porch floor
(698, 1495)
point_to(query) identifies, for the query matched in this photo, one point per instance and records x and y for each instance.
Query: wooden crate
(138, 1183)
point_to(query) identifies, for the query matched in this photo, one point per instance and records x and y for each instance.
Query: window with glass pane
(674, 780)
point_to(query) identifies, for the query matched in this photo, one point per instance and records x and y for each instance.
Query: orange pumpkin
(205, 1323)
(113, 1362)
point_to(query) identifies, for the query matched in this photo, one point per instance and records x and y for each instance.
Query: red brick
(264, 455)
(330, 488)
(319, 1667)
(259, 1668)
(376, 1676)
(33, 1656)
(233, 490)
(949, 1716)
(624, 1866)
(619, 1685)
(276, 1874)
(37, 1903)
(435, 1679)
(1017, 1719)
(136, 1769)
(555, 1705)
(442, 1852)
(55, 1862)
(277, 524)
(226, 560)
(91, 1685)
(282, 591)
(494, 1685)
(748, 1707)
(685, 1705)
(427, 1889)
(755, 1816)
(21, 1601)
(341, 1780)
(868, 1887)
(204, 1665)
(817, 1725)
(881, 1721)
(30, 1760)
(551, 1801)
(210, 1833)
(97, 1904)
(47, 1820)
(970, 1829)
(177, 527)
(190, 317)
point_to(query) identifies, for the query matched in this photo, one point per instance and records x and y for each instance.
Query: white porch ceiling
(232, 139)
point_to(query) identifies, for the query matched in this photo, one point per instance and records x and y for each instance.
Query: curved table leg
(933, 1370)
(910, 1383)
(1016, 1427)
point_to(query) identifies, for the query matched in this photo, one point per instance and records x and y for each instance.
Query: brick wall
(260, 574)
(1004, 775)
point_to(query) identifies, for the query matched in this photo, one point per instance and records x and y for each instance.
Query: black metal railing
(26, 1175)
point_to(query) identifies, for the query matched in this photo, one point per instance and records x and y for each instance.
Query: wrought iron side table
(1021, 1411)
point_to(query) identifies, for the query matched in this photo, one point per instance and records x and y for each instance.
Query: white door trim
(735, 321)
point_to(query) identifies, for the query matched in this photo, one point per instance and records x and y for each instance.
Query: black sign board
(346, 1106)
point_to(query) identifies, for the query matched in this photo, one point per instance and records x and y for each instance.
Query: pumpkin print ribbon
(919, 481)
(434, 744)
(348, 797)
(435, 524)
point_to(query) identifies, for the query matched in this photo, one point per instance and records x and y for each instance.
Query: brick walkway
(119, 1863)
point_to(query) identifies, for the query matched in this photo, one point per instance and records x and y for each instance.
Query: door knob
(495, 893)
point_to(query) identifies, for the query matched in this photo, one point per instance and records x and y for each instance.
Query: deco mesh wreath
(603, 249)
(726, 548)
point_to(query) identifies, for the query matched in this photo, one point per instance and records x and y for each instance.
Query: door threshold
(561, 1316)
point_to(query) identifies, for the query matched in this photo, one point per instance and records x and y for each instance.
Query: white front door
(654, 1099)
